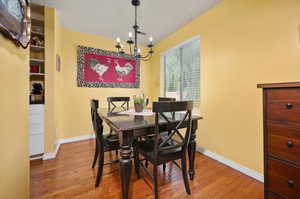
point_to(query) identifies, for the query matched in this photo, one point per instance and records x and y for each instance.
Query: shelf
(37, 22)
(37, 33)
(37, 60)
(37, 48)
(37, 102)
(37, 74)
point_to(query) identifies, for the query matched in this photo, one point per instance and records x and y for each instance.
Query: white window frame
(162, 65)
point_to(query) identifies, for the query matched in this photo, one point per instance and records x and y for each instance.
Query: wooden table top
(122, 122)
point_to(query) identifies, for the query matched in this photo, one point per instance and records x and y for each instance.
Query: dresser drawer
(284, 148)
(284, 140)
(286, 129)
(284, 179)
(283, 104)
(273, 196)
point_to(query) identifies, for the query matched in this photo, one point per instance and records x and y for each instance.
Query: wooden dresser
(281, 140)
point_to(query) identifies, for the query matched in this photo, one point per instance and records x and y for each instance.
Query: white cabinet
(37, 126)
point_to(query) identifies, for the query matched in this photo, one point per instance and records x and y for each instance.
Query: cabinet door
(36, 145)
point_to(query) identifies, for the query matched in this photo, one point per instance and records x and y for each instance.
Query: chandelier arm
(148, 58)
(144, 57)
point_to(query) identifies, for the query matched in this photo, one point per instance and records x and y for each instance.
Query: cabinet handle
(290, 183)
(289, 105)
(290, 144)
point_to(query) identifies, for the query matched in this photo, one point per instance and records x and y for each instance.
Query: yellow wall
(50, 94)
(242, 43)
(53, 43)
(14, 127)
(57, 76)
(75, 101)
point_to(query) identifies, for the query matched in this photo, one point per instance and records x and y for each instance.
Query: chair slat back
(185, 109)
(166, 99)
(112, 106)
(94, 107)
(96, 120)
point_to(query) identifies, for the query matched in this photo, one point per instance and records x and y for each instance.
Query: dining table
(130, 125)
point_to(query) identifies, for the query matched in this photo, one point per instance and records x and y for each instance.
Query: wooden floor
(70, 176)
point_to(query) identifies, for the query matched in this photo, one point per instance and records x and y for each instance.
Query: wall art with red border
(102, 68)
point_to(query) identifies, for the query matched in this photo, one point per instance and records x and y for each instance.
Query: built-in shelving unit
(37, 83)
(37, 56)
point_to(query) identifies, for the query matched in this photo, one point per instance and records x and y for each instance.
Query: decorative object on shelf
(15, 20)
(57, 63)
(102, 68)
(37, 92)
(35, 69)
(39, 30)
(136, 52)
(140, 102)
(37, 41)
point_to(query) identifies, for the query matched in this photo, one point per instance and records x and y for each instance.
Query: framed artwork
(102, 68)
(15, 20)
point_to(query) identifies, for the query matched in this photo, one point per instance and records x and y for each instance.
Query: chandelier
(132, 42)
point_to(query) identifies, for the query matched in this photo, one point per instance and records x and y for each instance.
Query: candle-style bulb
(122, 46)
(139, 51)
(151, 39)
(118, 40)
(130, 35)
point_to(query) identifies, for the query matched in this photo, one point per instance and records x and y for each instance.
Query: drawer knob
(289, 105)
(291, 183)
(290, 144)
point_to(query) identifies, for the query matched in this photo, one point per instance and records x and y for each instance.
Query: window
(181, 72)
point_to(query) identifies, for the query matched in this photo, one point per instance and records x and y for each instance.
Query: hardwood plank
(70, 176)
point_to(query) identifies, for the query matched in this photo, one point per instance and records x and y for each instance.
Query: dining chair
(164, 149)
(104, 143)
(163, 99)
(114, 106)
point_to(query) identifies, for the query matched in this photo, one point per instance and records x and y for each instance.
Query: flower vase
(138, 107)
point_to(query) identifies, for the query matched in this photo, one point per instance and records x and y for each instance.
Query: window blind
(182, 72)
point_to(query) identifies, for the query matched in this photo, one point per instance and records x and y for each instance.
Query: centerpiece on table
(140, 102)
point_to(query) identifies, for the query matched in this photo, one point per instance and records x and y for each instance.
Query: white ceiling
(114, 18)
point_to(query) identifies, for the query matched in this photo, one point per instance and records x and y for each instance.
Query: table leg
(192, 150)
(125, 162)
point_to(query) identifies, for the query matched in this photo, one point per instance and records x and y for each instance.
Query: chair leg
(137, 163)
(146, 163)
(185, 176)
(96, 155)
(164, 167)
(100, 169)
(155, 181)
(117, 152)
(110, 132)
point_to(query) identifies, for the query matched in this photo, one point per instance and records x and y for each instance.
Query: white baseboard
(37, 158)
(76, 139)
(232, 164)
(48, 156)
(52, 155)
